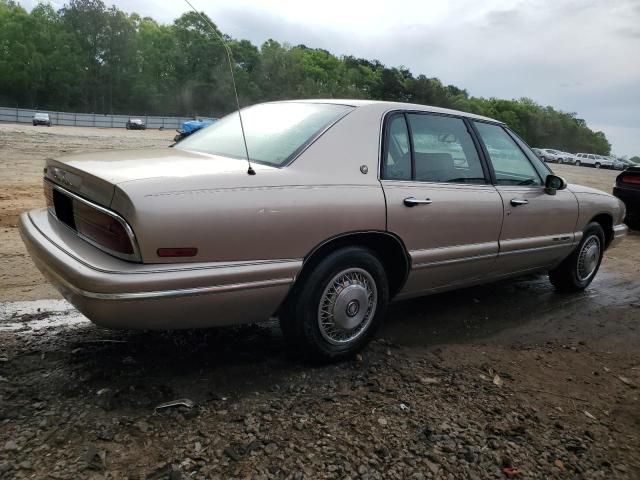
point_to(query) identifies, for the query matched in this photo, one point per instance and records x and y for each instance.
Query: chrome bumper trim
(619, 232)
(182, 292)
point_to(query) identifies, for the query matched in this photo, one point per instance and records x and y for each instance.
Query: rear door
(440, 200)
(538, 228)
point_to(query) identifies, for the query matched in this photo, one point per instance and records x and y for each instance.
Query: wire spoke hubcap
(588, 258)
(347, 306)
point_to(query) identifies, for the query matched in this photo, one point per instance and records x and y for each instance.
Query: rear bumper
(120, 294)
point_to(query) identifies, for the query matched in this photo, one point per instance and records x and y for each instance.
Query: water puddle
(36, 315)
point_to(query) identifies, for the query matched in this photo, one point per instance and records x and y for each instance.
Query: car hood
(95, 175)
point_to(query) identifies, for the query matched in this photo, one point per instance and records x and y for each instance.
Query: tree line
(86, 57)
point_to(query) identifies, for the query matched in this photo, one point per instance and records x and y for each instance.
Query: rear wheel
(544, 159)
(597, 165)
(578, 270)
(337, 309)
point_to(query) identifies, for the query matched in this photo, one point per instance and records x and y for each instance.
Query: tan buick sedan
(348, 204)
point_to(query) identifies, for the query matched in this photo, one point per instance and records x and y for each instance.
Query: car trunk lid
(95, 175)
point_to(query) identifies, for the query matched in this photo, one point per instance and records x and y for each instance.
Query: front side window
(510, 164)
(542, 168)
(275, 132)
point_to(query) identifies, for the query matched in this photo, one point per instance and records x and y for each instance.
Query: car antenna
(250, 170)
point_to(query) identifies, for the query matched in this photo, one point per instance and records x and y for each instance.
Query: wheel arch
(606, 222)
(388, 248)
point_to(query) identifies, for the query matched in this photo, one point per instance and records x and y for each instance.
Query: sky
(579, 56)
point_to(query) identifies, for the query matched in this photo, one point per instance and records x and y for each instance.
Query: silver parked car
(41, 118)
(551, 155)
(347, 205)
(569, 158)
(621, 163)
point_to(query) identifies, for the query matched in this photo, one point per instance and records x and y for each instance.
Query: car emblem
(61, 176)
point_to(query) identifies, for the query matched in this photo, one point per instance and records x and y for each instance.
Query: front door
(440, 201)
(538, 228)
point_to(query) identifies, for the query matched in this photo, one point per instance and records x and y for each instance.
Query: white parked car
(592, 160)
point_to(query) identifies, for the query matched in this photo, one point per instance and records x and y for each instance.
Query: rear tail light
(95, 224)
(632, 179)
(101, 228)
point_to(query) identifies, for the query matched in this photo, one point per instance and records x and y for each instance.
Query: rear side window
(444, 150)
(275, 132)
(440, 149)
(510, 164)
(397, 162)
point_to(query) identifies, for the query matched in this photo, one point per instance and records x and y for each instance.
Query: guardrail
(25, 115)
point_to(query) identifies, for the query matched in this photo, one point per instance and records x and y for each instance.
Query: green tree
(91, 58)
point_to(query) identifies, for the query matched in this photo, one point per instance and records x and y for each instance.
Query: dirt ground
(508, 380)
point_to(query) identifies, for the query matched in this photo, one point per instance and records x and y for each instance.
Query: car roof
(385, 106)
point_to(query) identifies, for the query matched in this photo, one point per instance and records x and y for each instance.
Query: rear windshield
(275, 132)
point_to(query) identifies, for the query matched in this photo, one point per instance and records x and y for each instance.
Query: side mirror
(554, 183)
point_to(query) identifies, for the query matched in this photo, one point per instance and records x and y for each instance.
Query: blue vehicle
(191, 126)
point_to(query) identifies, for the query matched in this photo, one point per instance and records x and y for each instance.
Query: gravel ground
(508, 380)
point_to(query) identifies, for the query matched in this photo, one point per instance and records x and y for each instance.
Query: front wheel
(338, 307)
(597, 165)
(578, 270)
(577, 163)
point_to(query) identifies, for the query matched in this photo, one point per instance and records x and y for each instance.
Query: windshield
(275, 132)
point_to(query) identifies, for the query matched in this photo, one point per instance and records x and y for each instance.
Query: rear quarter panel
(276, 214)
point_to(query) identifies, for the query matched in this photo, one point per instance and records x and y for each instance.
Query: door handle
(412, 201)
(518, 201)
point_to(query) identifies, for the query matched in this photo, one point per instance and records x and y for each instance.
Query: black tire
(597, 165)
(577, 163)
(300, 321)
(571, 275)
